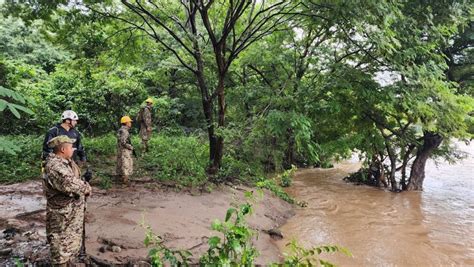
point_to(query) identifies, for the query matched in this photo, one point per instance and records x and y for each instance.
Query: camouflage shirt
(123, 138)
(62, 184)
(146, 117)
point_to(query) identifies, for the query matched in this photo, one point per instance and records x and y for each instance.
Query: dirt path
(113, 216)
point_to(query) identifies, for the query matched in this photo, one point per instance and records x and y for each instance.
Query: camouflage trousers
(124, 162)
(144, 134)
(64, 231)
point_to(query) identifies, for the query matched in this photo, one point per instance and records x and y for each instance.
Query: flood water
(429, 228)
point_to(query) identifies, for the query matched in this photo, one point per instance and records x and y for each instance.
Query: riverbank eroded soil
(182, 219)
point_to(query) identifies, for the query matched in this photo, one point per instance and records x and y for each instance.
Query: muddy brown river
(429, 228)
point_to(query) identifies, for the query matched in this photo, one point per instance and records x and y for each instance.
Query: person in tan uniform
(65, 193)
(145, 119)
(124, 150)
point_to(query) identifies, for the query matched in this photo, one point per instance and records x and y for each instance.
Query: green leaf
(24, 109)
(12, 108)
(236, 246)
(214, 241)
(246, 209)
(229, 213)
(3, 105)
(216, 225)
(325, 263)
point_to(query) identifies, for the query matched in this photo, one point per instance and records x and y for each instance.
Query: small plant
(18, 263)
(105, 182)
(300, 256)
(286, 176)
(233, 247)
(236, 248)
(159, 254)
(271, 185)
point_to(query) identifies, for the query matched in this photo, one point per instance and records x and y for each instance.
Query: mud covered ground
(113, 218)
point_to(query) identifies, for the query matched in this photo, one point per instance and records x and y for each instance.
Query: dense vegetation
(242, 88)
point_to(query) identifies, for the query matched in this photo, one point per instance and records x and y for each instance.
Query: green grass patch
(181, 159)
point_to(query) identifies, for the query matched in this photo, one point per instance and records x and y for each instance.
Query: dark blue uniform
(57, 130)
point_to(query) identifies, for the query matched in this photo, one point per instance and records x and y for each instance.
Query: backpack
(139, 118)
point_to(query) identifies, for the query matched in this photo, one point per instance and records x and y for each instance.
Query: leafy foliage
(12, 107)
(162, 160)
(23, 162)
(235, 248)
(300, 256)
(9, 146)
(286, 176)
(319, 83)
(272, 185)
(160, 254)
(232, 247)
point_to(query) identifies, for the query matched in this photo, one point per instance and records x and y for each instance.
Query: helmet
(56, 141)
(149, 100)
(125, 119)
(69, 114)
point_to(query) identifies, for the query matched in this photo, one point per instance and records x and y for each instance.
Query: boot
(123, 180)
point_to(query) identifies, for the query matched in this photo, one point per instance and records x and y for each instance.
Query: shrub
(271, 185)
(181, 159)
(25, 163)
(286, 176)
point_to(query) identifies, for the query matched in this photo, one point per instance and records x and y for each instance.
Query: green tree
(420, 107)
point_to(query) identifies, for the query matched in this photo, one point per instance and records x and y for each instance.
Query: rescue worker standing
(69, 120)
(65, 193)
(144, 117)
(124, 150)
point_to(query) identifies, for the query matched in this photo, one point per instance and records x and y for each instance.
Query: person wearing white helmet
(69, 120)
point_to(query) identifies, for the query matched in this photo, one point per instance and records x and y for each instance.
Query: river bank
(183, 219)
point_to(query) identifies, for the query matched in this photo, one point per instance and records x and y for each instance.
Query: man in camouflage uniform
(65, 193)
(124, 150)
(144, 118)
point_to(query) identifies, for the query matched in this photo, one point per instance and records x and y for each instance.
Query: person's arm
(63, 180)
(81, 153)
(123, 140)
(46, 150)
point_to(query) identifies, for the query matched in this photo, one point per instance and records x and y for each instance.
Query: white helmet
(69, 114)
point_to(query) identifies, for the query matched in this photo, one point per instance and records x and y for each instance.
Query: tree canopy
(275, 82)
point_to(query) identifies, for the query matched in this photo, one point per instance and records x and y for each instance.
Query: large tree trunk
(377, 170)
(431, 141)
(406, 158)
(393, 160)
(206, 98)
(290, 149)
(393, 167)
(219, 147)
(207, 109)
(208, 115)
